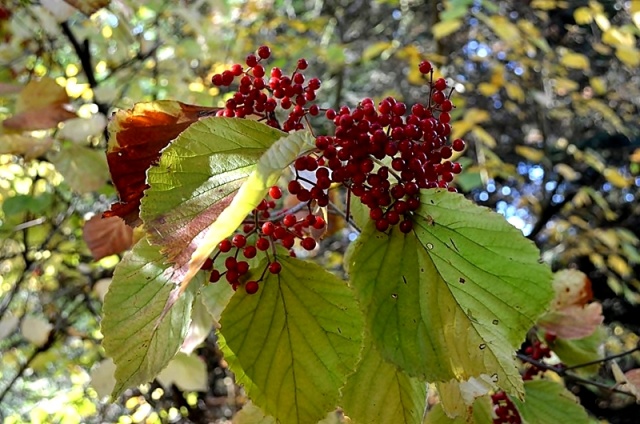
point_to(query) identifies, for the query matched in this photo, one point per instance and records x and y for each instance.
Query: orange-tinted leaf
(41, 105)
(136, 138)
(88, 7)
(107, 236)
(572, 287)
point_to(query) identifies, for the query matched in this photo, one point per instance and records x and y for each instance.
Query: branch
(563, 372)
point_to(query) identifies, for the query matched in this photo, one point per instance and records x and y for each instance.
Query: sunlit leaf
(24, 145)
(42, 104)
(616, 178)
(480, 413)
(575, 61)
(136, 137)
(456, 397)
(484, 137)
(454, 298)
(583, 15)
(231, 165)
(202, 323)
(379, 392)
(79, 129)
(188, 372)
(83, 168)
(628, 55)
(293, 343)
(549, 402)
(444, 28)
(251, 414)
(140, 342)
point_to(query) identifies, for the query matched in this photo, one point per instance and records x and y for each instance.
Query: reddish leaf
(136, 138)
(107, 236)
(88, 7)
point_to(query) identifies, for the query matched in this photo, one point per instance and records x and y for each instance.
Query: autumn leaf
(571, 317)
(136, 137)
(41, 105)
(88, 7)
(24, 145)
(107, 236)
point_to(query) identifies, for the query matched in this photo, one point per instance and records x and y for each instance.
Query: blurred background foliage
(547, 94)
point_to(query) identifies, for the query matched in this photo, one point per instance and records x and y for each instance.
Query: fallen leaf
(136, 137)
(107, 236)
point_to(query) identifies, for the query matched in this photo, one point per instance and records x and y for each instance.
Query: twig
(563, 372)
(606, 359)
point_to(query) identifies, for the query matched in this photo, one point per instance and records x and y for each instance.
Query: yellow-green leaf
(575, 61)
(444, 28)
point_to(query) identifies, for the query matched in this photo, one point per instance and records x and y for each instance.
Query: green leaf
(293, 343)
(550, 402)
(379, 392)
(208, 180)
(251, 414)
(215, 297)
(455, 297)
(479, 414)
(140, 345)
(581, 351)
(83, 168)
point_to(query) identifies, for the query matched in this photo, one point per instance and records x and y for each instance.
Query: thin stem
(605, 359)
(562, 372)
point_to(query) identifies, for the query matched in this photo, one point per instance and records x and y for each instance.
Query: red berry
(236, 70)
(425, 67)
(262, 244)
(242, 267)
(249, 252)
(458, 145)
(251, 60)
(258, 71)
(308, 243)
(302, 64)
(440, 84)
(289, 220)
(239, 240)
(251, 287)
(438, 97)
(207, 265)
(382, 224)
(406, 226)
(225, 246)
(214, 277)
(268, 228)
(230, 262)
(275, 267)
(275, 192)
(264, 52)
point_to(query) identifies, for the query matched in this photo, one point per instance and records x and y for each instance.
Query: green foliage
(455, 298)
(380, 392)
(550, 402)
(299, 336)
(140, 343)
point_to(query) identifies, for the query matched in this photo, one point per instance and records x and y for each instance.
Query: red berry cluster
(260, 97)
(369, 138)
(382, 153)
(260, 233)
(536, 351)
(504, 410)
